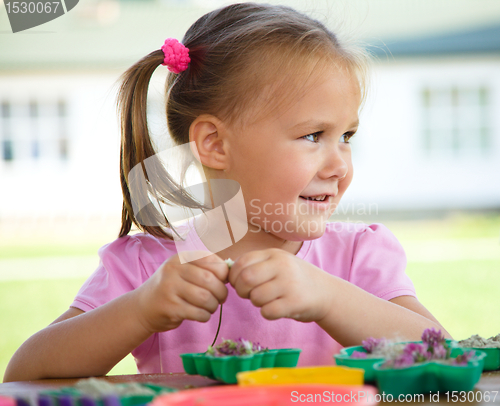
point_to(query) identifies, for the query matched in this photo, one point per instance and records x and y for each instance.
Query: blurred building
(430, 133)
(59, 130)
(429, 139)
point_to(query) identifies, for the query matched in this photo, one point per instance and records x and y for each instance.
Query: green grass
(462, 295)
(457, 226)
(28, 306)
(50, 250)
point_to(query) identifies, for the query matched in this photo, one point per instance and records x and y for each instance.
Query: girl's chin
(301, 230)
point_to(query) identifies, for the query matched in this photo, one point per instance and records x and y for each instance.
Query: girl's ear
(206, 131)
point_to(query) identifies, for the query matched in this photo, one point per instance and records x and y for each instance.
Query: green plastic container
(256, 362)
(429, 377)
(344, 359)
(224, 369)
(125, 400)
(287, 357)
(492, 359)
(269, 358)
(189, 364)
(203, 365)
(455, 351)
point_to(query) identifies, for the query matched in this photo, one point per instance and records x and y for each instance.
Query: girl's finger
(275, 309)
(265, 293)
(245, 261)
(214, 264)
(205, 279)
(199, 297)
(253, 276)
(190, 312)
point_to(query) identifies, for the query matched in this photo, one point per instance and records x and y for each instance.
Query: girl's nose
(334, 164)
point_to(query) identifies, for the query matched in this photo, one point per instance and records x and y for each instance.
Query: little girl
(268, 98)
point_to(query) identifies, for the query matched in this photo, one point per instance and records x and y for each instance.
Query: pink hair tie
(176, 55)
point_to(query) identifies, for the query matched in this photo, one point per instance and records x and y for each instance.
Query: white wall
(88, 183)
(391, 172)
(391, 169)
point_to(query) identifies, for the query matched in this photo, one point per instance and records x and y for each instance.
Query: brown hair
(236, 52)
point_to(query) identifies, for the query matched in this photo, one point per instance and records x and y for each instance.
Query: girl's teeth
(321, 198)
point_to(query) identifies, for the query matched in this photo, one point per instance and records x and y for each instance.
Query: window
(456, 121)
(33, 130)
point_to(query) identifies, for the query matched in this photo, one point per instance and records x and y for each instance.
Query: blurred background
(426, 158)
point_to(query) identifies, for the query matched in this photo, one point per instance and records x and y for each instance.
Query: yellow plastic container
(333, 375)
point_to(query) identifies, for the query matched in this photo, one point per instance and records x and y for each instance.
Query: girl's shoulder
(137, 240)
(341, 229)
(124, 264)
(368, 255)
(359, 236)
(145, 247)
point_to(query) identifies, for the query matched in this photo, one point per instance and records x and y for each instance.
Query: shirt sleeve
(120, 271)
(379, 263)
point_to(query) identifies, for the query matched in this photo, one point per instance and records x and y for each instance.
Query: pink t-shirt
(369, 256)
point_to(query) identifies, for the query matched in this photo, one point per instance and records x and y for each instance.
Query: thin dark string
(218, 327)
(229, 263)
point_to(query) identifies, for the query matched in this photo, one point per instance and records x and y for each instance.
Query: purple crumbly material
(239, 346)
(372, 344)
(418, 352)
(359, 355)
(432, 348)
(463, 359)
(432, 337)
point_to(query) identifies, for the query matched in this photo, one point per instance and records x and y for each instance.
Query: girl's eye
(314, 137)
(347, 136)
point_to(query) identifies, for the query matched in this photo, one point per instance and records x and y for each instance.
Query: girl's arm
(283, 285)
(356, 315)
(412, 303)
(81, 344)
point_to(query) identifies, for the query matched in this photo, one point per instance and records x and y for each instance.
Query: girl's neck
(254, 239)
(259, 242)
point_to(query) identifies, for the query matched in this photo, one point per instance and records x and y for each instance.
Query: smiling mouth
(320, 198)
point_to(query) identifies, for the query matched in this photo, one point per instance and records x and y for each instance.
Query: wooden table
(490, 382)
(177, 380)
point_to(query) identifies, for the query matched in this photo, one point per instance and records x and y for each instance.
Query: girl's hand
(282, 285)
(177, 292)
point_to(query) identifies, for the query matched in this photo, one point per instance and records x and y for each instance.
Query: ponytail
(136, 147)
(135, 142)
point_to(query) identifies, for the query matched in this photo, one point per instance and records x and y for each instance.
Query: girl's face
(283, 160)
